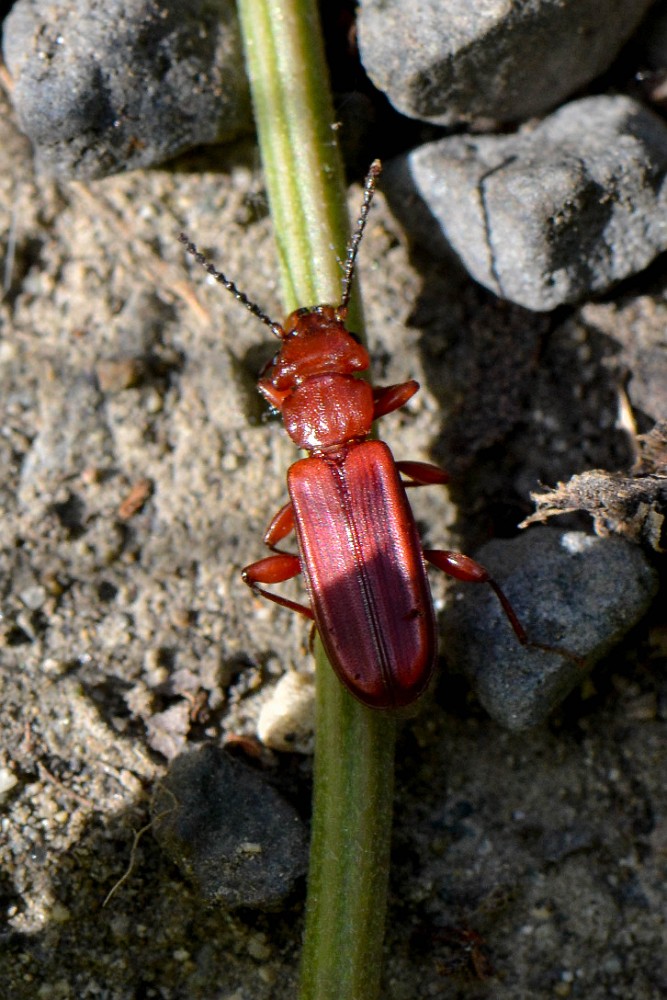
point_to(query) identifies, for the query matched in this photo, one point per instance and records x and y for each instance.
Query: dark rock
(103, 87)
(570, 590)
(239, 841)
(554, 213)
(654, 38)
(450, 60)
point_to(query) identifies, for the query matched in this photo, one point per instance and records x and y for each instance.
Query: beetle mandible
(359, 549)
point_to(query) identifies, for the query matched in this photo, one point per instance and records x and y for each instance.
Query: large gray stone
(103, 87)
(553, 213)
(452, 60)
(235, 836)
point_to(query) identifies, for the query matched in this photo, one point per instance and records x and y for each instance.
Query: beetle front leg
(388, 398)
(276, 569)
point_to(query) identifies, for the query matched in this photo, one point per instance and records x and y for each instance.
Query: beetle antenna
(240, 296)
(353, 246)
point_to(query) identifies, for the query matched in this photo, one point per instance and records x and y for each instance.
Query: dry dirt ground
(138, 476)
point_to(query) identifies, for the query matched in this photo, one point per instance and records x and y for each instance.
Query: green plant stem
(300, 156)
(349, 861)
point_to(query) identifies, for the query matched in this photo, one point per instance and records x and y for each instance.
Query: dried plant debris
(632, 504)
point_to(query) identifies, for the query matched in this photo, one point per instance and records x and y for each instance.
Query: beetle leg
(464, 568)
(422, 474)
(280, 527)
(391, 397)
(276, 569)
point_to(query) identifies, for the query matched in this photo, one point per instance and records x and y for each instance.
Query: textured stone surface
(556, 212)
(570, 590)
(229, 830)
(448, 60)
(103, 87)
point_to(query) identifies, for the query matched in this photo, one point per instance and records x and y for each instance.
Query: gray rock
(555, 213)
(103, 87)
(570, 590)
(450, 60)
(229, 831)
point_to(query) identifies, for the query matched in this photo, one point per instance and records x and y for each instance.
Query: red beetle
(359, 549)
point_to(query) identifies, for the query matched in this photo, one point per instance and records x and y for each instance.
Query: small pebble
(287, 720)
(33, 597)
(59, 913)
(258, 948)
(229, 830)
(562, 989)
(116, 374)
(71, 428)
(8, 780)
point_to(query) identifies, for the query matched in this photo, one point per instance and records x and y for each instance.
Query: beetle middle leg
(462, 567)
(276, 569)
(422, 474)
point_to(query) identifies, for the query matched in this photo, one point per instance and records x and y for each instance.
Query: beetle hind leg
(464, 568)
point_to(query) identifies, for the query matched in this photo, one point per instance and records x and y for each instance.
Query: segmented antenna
(276, 328)
(353, 246)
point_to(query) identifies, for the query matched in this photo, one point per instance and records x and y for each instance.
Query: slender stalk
(302, 164)
(349, 859)
(349, 862)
